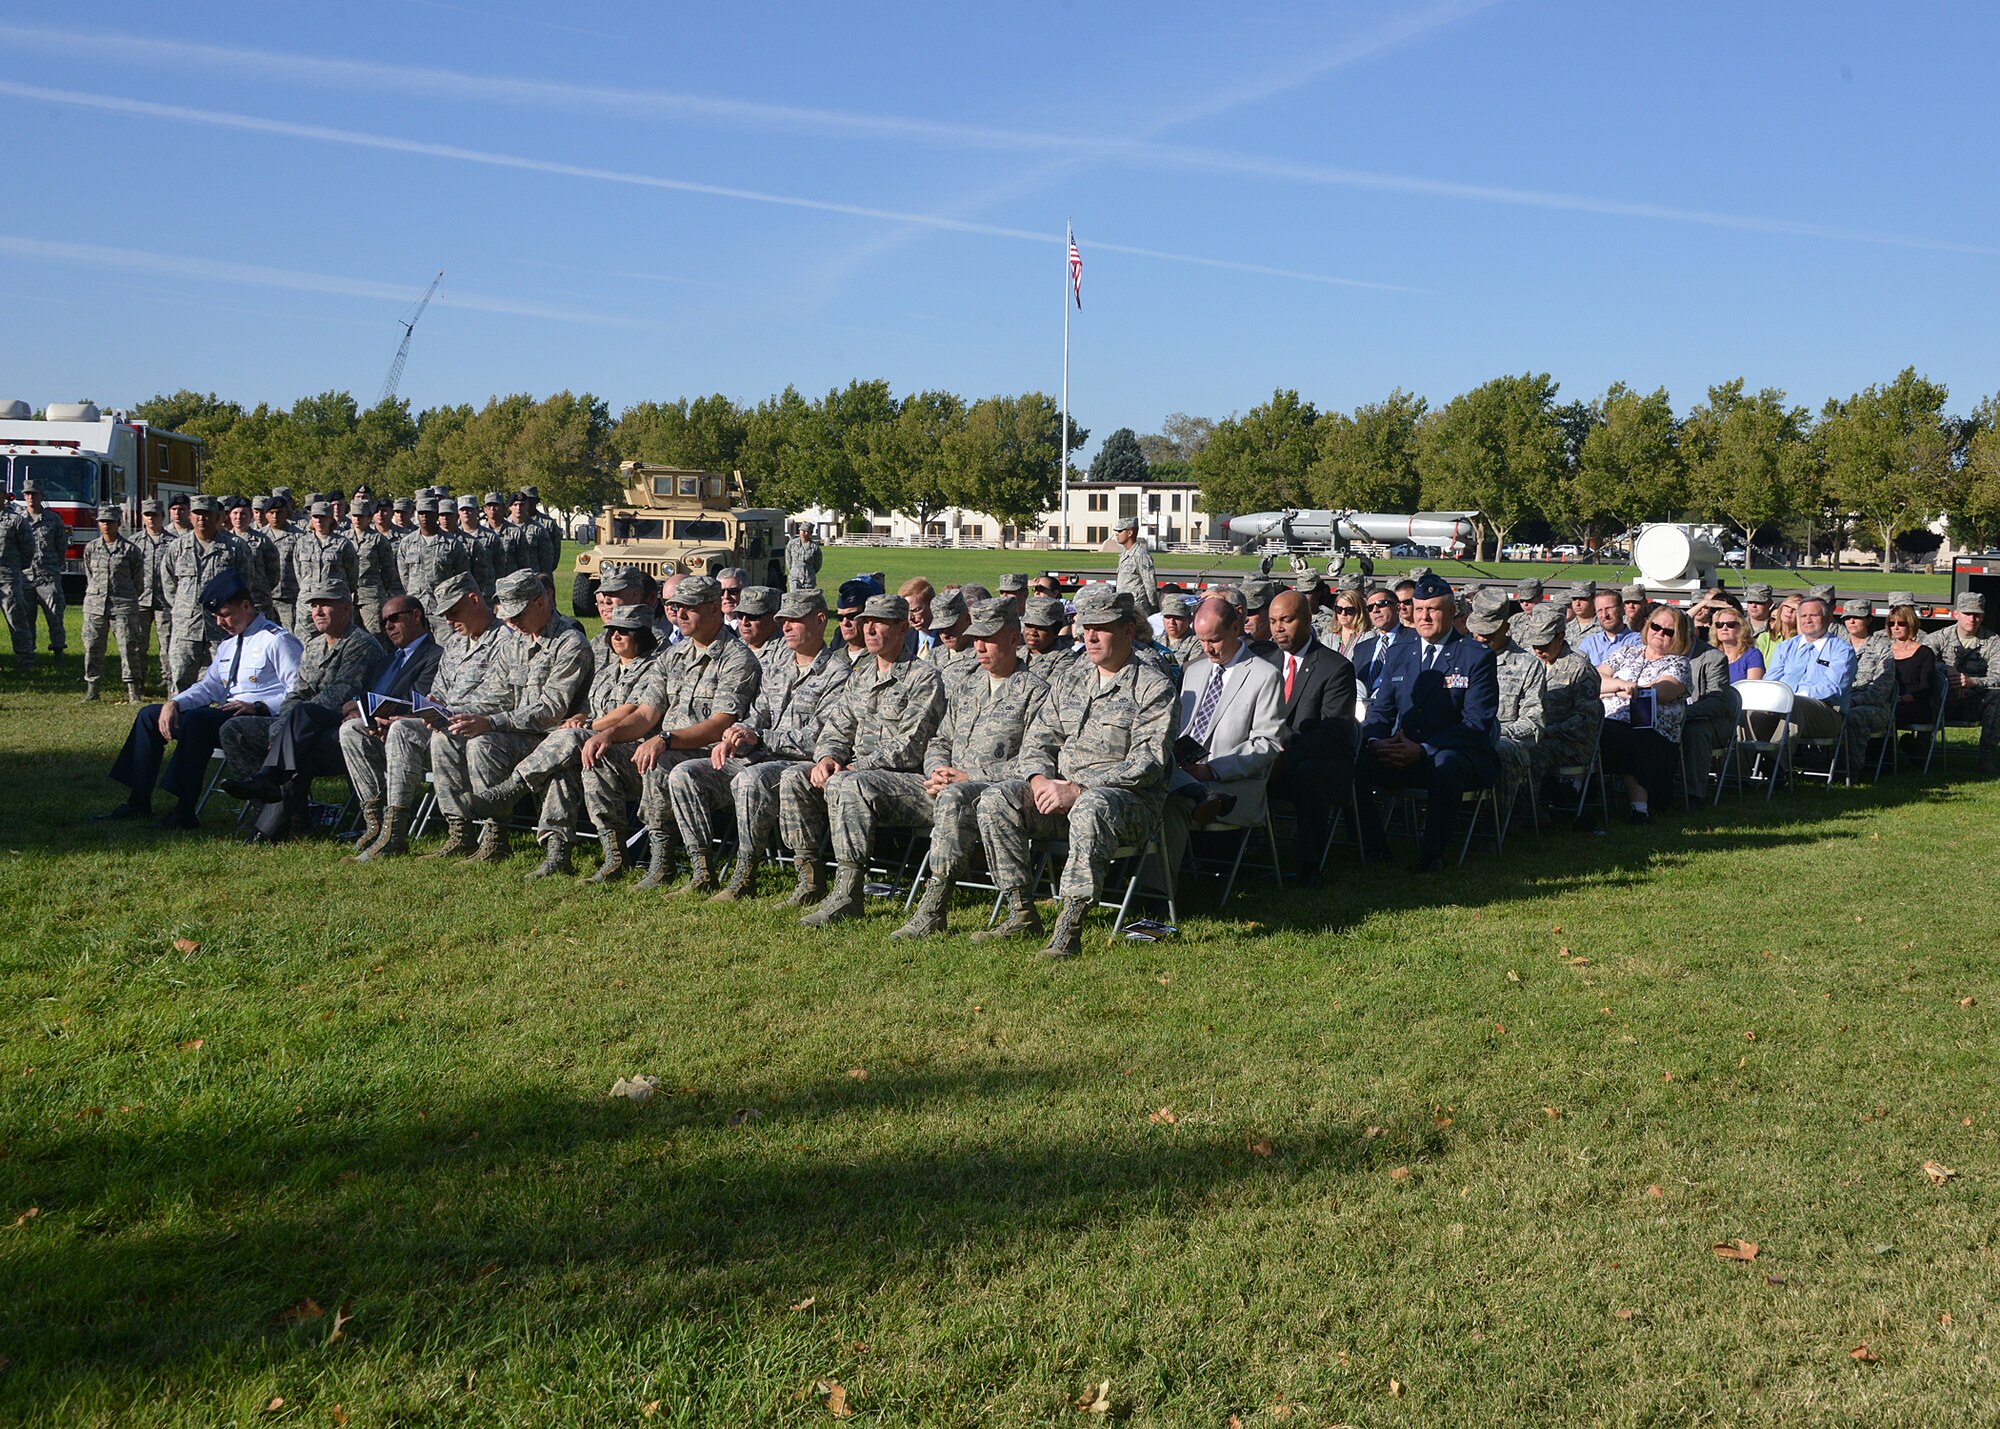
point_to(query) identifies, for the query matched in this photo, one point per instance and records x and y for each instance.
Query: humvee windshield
(653, 528)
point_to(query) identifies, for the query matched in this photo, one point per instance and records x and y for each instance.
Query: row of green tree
(1877, 466)
(859, 448)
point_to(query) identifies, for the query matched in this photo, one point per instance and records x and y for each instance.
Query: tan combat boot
(612, 841)
(701, 870)
(395, 837)
(841, 904)
(933, 910)
(1066, 940)
(660, 858)
(458, 840)
(742, 879)
(812, 883)
(494, 844)
(1021, 919)
(371, 830)
(555, 857)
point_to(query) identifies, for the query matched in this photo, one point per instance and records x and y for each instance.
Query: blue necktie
(1204, 712)
(1431, 656)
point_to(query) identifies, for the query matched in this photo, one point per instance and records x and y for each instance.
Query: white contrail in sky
(434, 83)
(323, 133)
(96, 255)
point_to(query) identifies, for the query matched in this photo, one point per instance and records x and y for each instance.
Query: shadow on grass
(661, 1209)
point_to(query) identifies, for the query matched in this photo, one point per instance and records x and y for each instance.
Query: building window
(1128, 505)
(972, 531)
(1099, 501)
(1153, 504)
(1096, 535)
(1174, 502)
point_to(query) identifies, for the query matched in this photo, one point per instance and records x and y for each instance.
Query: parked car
(1737, 559)
(1568, 553)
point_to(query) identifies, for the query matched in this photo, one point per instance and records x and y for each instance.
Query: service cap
(1431, 586)
(854, 594)
(223, 589)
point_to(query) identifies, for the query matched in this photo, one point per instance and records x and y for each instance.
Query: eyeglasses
(1667, 630)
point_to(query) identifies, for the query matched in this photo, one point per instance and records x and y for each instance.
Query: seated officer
(251, 673)
(1433, 722)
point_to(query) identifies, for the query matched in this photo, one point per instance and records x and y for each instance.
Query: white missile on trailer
(1446, 529)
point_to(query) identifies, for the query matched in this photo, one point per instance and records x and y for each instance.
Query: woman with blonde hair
(1644, 686)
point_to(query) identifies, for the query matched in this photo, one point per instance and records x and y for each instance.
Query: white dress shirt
(264, 676)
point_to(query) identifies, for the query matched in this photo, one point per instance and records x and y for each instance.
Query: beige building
(1168, 512)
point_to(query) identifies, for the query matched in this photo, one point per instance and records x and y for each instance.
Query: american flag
(1075, 270)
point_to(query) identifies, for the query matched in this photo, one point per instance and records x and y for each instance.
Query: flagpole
(1062, 470)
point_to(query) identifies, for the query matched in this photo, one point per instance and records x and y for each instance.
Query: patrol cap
(1309, 584)
(1350, 584)
(854, 594)
(515, 592)
(1258, 594)
(695, 590)
(362, 508)
(1855, 605)
(532, 492)
(947, 609)
(31, 487)
(1757, 593)
(406, 504)
(801, 604)
(111, 514)
(759, 600)
(616, 580)
(494, 498)
(1126, 523)
(1046, 612)
(204, 505)
(1417, 573)
(629, 617)
(1013, 583)
(322, 508)
(1634, 592)
(1173, 605)
(1431, 586)
(1969, 602)
(886, 607)
(427, 506)
(1101, 605)
(221, 590)
(1583, 590)
(451, 590)
(179, 498)
(1528, 589)
(329, 588)
(1900, 597)
(990, 617)
(1535, 628)
(466, 503)
(283, 493)
(1821, 592)
(1491, 610)
(149, 507)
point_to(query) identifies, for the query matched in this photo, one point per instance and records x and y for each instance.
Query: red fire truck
(84, 458)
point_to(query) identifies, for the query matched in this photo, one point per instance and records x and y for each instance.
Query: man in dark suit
(1433, 723)
(305, 738)
(1385, 632)
(1315, 769)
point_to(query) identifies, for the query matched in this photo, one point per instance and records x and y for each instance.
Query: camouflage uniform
(391, 769)
(154, 607)
(190, 566)
(952, 665)
(1523, 680)
(266, 570)
(879, 729)
(1136, 578)
(114, 577)
(330, 674)
(1980, 659)
(320, 560)
(553, 771)
(542, 682)
(982, 733)
(49, 534)
(1571, 714)
(1049, 666)
(802, 558)
(689, 685)
(786, 716)
(504, 549)
(285, 593)
(1116, 740)
(540, 546)
(425, 561)
(480, 548)
(1871, 699)
(375, 561)
(17, 553)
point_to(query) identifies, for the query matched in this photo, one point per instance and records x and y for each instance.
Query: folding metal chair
(1835, 746)
(1763, 697)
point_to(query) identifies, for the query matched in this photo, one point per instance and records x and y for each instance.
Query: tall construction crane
(403, 352)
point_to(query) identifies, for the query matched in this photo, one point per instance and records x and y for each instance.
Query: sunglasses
(1348, 609)
(1378, 605)
(1406, 604)
(1666, 630)
(1728, 625)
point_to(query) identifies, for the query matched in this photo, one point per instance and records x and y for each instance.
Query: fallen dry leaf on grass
(1552, 1113)
(1369, 1133)
(1944, 1318)
(1735, 1250)
(277, 1403)
(639, 1089)
(1260, 1147)
(1861, 1351)
(1400, 1173)
(340, 1318)
(1621, 1314)
(1657, 1193)
(1513, 976)
(306, 1309)
(833, 1395)
(1967, 1001)
(186, 945)
(860, 1074)
(650, 1408)
(193, 1044)
(1395, 1389)
(805, 1304)
(1163, 1117)
(1938, 1173)
(1096, 1400)
(339, 1415)
(27, 1215)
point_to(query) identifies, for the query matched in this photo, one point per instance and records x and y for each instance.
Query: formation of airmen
(423, 660)
(154, 576)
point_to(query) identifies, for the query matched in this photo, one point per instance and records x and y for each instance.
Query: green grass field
(1393, 1153)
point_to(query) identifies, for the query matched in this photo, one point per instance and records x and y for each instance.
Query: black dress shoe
(126, 810)
(177, 820)
(253, 791)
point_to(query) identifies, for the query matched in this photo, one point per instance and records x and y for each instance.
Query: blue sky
(653, 200)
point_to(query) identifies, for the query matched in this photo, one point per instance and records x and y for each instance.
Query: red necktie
(1291, 669)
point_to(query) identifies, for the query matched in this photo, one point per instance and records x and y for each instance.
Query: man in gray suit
(1232, 708)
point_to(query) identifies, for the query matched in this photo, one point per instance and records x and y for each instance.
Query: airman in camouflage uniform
(984, 727)
(1135, 568)
(153, 540)
(951, 655)
(1971, 660)
(1571, 710)
(1871, 699)
(541, 543)
(779, 733)
(285, 594)
(193, 561)
(503, 541)
(114, 575)
(700, 687)
(333, 669)
(387, 765)
(49, 534)
(1094, 769)
(17, 553)
(1581, 616)
(617, 684)
(1051, 654)
(260, 551)
(877, 730)
(375, 563)
(427, 556)
(802, 559)
(320, 557)
(1522, 679)
(542, 672)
